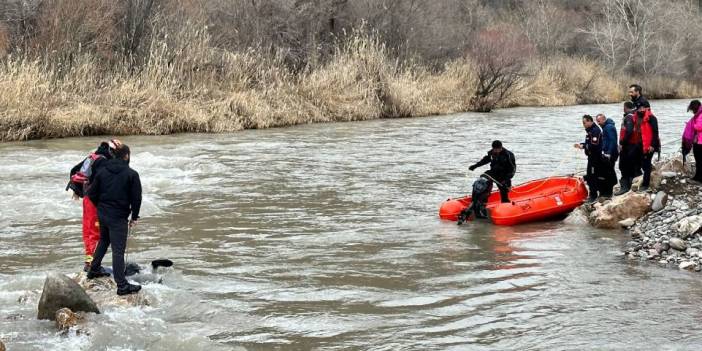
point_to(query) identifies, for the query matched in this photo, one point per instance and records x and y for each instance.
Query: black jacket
(641, 101)
(116, 190)
(593, 142)
(503, 166)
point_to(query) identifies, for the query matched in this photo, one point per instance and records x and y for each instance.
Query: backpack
(80, 174)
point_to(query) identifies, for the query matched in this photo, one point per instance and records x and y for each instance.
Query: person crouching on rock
(593, 150)
(116, 191)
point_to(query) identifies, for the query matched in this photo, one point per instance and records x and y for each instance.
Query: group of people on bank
(634, 146)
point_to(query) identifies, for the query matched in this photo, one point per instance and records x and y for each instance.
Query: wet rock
(66, 319)
(668, 174)
(2, 346)
(660, 247)
(678, 244)
(629, 205)
(104, 292)
(659, 201)
(687, 265)
(627, 222)
(689, 226)
(59, 292)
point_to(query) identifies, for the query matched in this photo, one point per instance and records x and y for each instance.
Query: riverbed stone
(687, 265)
(2, 346)
(627, 222)
(66, 319)
(689, 225)
(678, 244)
(660, 247)
(659, 201)
(59, 292)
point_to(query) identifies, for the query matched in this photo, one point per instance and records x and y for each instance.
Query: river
(327, 237)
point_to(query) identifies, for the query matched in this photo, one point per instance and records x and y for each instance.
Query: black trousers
(647, 166)
(630, 161)
(591, 176)
(606, 177)
(697, 152)
(504, 186)
(113, 232)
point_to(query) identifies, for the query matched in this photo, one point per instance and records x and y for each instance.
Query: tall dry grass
(188, 85)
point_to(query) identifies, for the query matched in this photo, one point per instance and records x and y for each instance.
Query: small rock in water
(627, 222)
(678, 244)
(687, 265)
(65, 319)
(691, 251)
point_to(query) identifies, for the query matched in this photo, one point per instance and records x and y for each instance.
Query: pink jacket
(698, 127)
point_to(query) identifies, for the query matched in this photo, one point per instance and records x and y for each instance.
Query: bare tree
(500, 56)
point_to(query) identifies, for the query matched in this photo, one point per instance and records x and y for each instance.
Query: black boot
(99, 274)
(625, 186)
(129, 289)
(465, 215)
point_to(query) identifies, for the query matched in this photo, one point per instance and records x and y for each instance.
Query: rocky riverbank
(665, 224)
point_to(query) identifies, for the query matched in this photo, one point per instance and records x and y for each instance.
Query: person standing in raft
(503, 166)
(630, 148)
(116, 191)
(593, 150)
(81, 177)
(610, 154)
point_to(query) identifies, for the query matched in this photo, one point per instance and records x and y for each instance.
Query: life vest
(648, 137)
(80, 180)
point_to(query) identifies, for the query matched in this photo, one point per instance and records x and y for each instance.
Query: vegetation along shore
(159, 67)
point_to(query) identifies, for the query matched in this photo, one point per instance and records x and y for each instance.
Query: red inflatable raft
(532, 201)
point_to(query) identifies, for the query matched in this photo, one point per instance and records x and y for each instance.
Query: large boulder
(59, 292)
(609, 214)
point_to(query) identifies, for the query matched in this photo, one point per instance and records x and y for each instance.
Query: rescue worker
(116, 191)
(650, 141)
(610, 154)
(635, 93)
(630, 148)
(81, 176)
(593, 149)
(503, 166)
